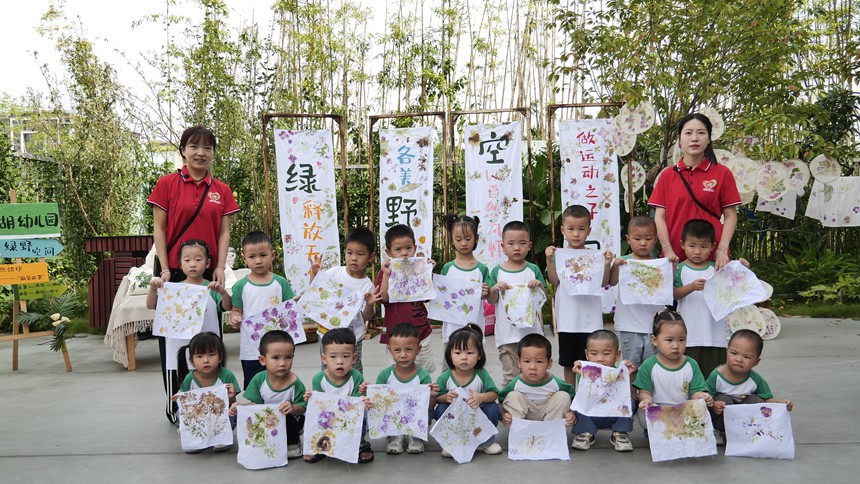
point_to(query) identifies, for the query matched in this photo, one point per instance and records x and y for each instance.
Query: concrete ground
(102, 423)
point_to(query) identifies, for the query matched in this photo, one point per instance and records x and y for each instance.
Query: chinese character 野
(302, 178)
(494, 146)
(398, 206)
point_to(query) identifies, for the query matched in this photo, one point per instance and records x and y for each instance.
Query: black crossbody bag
(157, 264)
(690, 191)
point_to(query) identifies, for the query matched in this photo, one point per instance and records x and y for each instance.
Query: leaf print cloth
(603, 391)
(457, 300)
(333, 426)
(537, 440)
(461, 429)
(580, 271)
(262, 434)
(646, 282)
(680, 431)
(759, 430)
(286, 316)
(330, 303)
(204, 419)
(732, 287)
(523, 305)
(180, 310)
(411, 280)
(398, 411)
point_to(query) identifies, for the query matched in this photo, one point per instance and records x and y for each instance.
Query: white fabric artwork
(398, 411)
(824, 169)
(746, 317)
(333, 426)
(730, 288)
(636, 119)
(411, 280)
(180, 310)
(204, 419)
(461, 429)
(746, 173)
(286, 316)
(772, 181)
(785, 207)
(718, 126)
(494, 183)
(637, 173)
(406, 184)
(523, 305)
(835, 204)
(603, 391)
(261, 431)
(772, 326)
(646, 281)
(330, 303)
(456, 299)
(680, 431)
(537, 440)
(580, 271)
(798, 174)
(759, 430)
(306, 202)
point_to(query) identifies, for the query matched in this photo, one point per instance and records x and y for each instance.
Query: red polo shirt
(714, 186)
(178, 195)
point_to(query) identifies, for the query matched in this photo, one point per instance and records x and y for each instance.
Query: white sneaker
(294, 451)
(445, 453)
(491, 449)
(416, 446)
(583, 441)
(395, 445)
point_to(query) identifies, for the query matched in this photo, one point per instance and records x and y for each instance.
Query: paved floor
(102, 423)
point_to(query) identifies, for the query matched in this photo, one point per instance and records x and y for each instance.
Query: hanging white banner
(406, 184)
(307, 202)
(494, 183)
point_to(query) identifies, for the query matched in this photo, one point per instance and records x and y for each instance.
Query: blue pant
(491, 410)
(584, 423)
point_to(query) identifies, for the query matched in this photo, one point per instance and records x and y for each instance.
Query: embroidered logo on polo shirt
(709, 185)
(215, 197)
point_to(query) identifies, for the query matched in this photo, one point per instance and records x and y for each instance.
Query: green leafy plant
(40, 316)
(846, 287)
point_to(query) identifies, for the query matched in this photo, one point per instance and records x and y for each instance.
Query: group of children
(654, 348)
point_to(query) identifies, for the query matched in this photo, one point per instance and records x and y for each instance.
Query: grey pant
(719, 424)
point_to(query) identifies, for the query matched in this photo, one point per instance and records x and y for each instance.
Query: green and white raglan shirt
(481, 382)
(225, 376)
(753, 384)
(253, 299)
(259, 391)
(670, 386)
(349, 388)
(538, 393)
(479, 273)
(389, 377)
(505, 332)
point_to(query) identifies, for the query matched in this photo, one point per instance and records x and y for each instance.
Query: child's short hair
(535, 340)
(666, 317)
(460, 339)
(516, 225)
(363, 236)
(397, 232)
(200, 344)
(602, 335)
(451, 220)
(338, 336)
(404, 330)
(577, 211)
(700, 229)
(274, 336)
(194, 243)
(256, 237)
(749, 335)
(643, 221)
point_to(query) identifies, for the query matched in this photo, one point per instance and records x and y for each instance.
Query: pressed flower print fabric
(398, 411)
(411, 280)
(204, 419)
(461, 429)
(456, 299)
(603, 391)
(580, 272)
(523, 304)
(759, 430)
(330, 303)
(262, 434)
(286, 316)
(646, 282)
(333, 426)
(180, 310)
(679, 431)
(732, 287)
(537, 440)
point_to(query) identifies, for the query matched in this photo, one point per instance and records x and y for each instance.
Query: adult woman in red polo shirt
(190, 204)
(712, 184)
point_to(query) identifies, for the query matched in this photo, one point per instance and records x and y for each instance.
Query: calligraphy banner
(406, 184)
(494, 183)
(308, 207)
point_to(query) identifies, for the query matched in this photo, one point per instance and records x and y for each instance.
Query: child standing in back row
(577, 316)
(634, 321)
(516, 243)
(256, 292)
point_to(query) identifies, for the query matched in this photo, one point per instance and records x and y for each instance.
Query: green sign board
(42, 290)
(29, 220)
